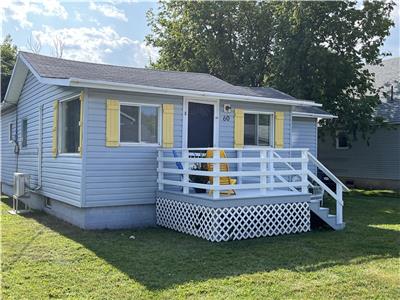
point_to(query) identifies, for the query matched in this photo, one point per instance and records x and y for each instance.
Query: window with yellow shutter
(258, 129)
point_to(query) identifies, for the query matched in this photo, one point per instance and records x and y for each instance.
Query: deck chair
(178, 164)
(225, 180)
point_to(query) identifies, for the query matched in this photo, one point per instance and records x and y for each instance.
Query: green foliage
(8, 57)
(311, 50)
(44, 257)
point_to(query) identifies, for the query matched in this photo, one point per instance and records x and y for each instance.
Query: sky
(111, 32)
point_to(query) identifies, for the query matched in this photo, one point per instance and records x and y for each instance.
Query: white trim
(272, 128)
(337, 141)
(69, 154)
(99, 84)
(159, 125)
(69, 98)
(216, 103)
(60, 125)
(311, 115)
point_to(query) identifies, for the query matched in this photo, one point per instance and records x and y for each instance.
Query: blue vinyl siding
(61, 176)
(226, 120)
(304, 135)
(378, 160)
(8, 158)
(126, 174)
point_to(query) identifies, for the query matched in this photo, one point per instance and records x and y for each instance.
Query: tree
(8, 58)
(34, 44)
(311, 50)
(322, 50)
(231, 40)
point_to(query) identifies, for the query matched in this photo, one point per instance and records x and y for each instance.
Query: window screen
(139, 124)
(257, 129)
(70, 130)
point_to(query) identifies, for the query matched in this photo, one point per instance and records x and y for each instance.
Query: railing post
(339, 206)
(216, 168)
(239, 155)
(271, 168)
(185, 156)
(304, 169)
(263, 168)
(160, 173)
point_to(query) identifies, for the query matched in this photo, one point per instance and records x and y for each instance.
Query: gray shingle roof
(273, 93)
(386, 76)
(51, 67)
(390, 111)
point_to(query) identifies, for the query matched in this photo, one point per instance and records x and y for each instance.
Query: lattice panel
(233, 223)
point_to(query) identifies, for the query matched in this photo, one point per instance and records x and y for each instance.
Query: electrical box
(21, 184)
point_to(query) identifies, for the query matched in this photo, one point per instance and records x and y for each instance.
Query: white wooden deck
(244, 194)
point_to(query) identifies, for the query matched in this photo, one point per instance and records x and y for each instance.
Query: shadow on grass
(160, 258)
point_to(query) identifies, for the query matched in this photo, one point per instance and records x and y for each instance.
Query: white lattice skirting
(233, 223)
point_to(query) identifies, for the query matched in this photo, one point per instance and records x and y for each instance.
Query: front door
(200, 125)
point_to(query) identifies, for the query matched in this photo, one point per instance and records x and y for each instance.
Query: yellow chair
(223, 167)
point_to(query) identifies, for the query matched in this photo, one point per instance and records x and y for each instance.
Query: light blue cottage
(116, 147)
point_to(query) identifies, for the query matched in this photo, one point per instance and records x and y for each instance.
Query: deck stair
(319, 189)
(324, 213)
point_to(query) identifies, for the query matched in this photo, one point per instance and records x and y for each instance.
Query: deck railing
(263, 169)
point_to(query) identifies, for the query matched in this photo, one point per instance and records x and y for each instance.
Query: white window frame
(337, 141)
(159, 125)
(185, 128)
(272, 128)
(10, 132)
(59, 127)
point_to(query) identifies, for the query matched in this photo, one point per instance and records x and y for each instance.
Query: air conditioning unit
(21, 184)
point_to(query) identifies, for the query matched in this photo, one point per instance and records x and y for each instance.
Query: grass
(43, 257)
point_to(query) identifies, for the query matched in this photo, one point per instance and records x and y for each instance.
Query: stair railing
(340, 186)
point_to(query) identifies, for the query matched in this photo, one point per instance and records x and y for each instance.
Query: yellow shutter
(168, 125)
(112, 123)
(81, 125)
(279, 118)
(239, 128)
(55, 130)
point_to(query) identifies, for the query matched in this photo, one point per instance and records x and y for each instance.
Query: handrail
(327, 172)
(269, 177)
(266, 171)
(237, 149)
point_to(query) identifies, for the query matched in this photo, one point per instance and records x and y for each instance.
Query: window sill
(69, 154)
(138, 145)
(342, 148)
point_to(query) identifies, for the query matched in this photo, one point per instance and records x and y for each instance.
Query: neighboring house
(377, 165)
(116, 147)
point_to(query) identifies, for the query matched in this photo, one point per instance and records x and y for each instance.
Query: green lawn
(43, 257)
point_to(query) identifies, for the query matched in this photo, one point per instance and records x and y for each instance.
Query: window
(69, 130)
(139, 124)
(341, 140)
(257, 129)
(47, 202)
(24, 133)
(10, 132)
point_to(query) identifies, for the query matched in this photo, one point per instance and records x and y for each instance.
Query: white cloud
(98, 44)
(109, 10)
(20, 10)
(78, 16)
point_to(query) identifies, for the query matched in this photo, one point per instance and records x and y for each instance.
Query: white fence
(260, 169)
